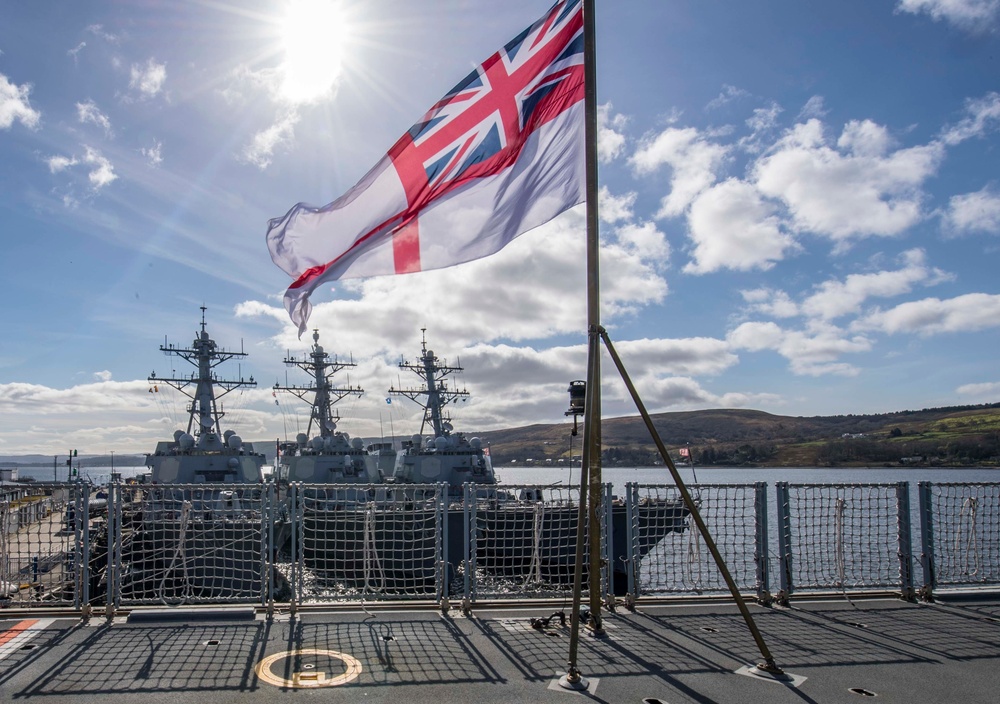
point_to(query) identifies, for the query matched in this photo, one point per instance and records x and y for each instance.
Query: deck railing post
(607, 549)
(469, 549)
(269, 512)
(441, 590)
(784, 542)
(760, 543)
(82, 599)
(112, 598)
(905, 540)
(925, 494)
(631, 552)
(295, 526)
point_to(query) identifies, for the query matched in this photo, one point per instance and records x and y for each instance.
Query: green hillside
(956, 436)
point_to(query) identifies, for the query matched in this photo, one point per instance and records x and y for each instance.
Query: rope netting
(965, 520)
(843, 536)
(673, 557)
(523, 540)
(41, 544)
(199, 543)
(371, 541)
(226, 543)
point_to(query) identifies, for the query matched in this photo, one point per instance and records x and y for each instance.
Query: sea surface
(620, 476)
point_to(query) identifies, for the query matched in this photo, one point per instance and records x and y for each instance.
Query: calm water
(619, 476)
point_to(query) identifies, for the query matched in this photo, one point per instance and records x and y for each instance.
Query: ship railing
(44, 545)
(959, 535)
(519, 541)
(61, 546)
(376, 542)
(189, 544)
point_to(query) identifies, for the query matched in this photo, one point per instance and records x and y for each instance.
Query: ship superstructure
(203, 452)
(445, 456)
(323, 454)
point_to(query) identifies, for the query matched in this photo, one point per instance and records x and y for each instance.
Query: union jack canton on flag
(500, 154)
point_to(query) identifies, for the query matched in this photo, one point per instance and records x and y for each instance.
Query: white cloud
(814, 108)
(86, 399)
(982, 115)
(986, 391)
(732, 227)
(88, 112)
(697, 356)
(764, 119)
(762, 123)
(75, 51)
(729, 94)
(98, 31)
(615, 208)
(974, 212)
(14, 105)
(60, 163)
(153, 154)
(865, 138)
(148, 79)
(610, 139)
(102, 172)
(261, 148)
(645, 240)
(812, 352)
(856, 192)
(834, 299)
(103, 375)
(694, 160)
(932, 316)
(771, 302)
(968, 14)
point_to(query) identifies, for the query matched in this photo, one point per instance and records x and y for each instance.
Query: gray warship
(366, 529)
(329, 456)
(447, 456)
(526, 533)
(195, 533)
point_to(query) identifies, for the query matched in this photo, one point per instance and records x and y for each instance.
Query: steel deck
(943, 652)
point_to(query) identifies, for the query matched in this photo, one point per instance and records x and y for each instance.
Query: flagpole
(591, 460)
(592, 410)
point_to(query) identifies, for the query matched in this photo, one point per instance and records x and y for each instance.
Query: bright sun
(313, 34)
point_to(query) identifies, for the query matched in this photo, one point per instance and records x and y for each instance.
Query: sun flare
(313, 35)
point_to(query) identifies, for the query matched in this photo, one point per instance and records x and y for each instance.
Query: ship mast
(433, 372)
(319, 366)
(205, 355)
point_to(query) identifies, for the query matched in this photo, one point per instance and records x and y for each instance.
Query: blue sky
(800, 206)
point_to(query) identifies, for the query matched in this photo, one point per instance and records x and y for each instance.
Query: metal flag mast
(590, 470)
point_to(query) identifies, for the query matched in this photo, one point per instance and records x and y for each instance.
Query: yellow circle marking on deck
(310, 677)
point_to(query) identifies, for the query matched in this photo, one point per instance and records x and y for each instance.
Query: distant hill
(954, 436)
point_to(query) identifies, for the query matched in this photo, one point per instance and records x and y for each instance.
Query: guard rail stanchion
(468, 541)
(784, 542)
(269, 513)
(925, 494)
(607, 566)
(631, 554)
(905, 540)
(760, 543)
(442, 587)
